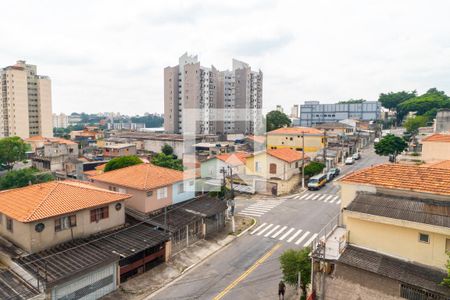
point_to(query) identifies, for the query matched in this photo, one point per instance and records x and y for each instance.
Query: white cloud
(110, 55)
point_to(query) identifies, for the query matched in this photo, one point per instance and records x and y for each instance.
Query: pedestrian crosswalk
(311, 196)
(287, 234)
(260, 208)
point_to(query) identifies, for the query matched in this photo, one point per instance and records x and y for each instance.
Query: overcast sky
(110, 55)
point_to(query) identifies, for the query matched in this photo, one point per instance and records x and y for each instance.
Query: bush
(295, 261)
(122, 162)
(313, 168)
(23, 177)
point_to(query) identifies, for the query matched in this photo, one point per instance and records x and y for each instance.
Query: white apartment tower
(225, 101)
(25, 102)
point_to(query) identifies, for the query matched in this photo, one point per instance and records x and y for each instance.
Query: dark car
(335, 171)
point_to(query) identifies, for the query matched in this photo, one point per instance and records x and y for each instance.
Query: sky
(109, 56)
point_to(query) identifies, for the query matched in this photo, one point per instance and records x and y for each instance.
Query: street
(249, 267)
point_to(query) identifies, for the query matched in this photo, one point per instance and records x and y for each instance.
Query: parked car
(335, 171)
(317, 182)
(349, 161)
(330, 176)
(356, 156)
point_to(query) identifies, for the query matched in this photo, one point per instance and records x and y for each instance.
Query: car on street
(356, 156)
(330, 176)
(349, 161)
(335, 171)
(317, 182)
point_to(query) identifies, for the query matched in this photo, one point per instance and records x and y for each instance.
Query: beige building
(292, 137)
(43, 215)
(60, 121)
(392, 239)
(436, 147)
(26, 102)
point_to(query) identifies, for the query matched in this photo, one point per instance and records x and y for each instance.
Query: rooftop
(142, 177)
(235, 159)
(257, 138)
(444, 164)
(50, 199)
(296, 131)
(119, 146)
(39, 138)
(437, 137)
(333, 125)
(403, 177)
(287, 154)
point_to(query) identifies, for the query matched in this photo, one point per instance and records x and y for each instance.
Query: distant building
(294, 111)
(126, 126)
(312, 112)
(192, 86)
(118, 150)
(26, 102)
(291, 137)
(436, 147)
(443, 121)
(74, 119)
(60, 121)
(280, 108)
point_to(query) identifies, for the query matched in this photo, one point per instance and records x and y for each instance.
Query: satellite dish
(39, 227)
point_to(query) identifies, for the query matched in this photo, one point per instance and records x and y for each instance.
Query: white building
(60, 121)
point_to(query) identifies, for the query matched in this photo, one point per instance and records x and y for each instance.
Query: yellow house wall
(433, 151)
(312, 143)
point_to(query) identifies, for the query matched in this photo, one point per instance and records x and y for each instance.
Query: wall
(18, 120)
(45, 107)
(156, 145)
(188, 191)
(284, 170)
(432, 151)
(313, 143)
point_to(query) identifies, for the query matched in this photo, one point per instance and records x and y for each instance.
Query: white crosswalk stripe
(286, 234)
(326, 198)
(258, 228)
(266, 228)
(279, 232)
(302, 238)
(297, 236)
(271, 231)
(309, 196)
(260, 208)
(310, 240)
(303, 196)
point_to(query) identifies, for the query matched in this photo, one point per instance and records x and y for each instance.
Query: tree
(276, 119)
(167, 149)
(391, 100)
(446, 281)
(412, 124)
(426, 104)
(352, 101)
(167, 161)
(295, 261)
(122, 162)
(390, 145)
(12, 149)
(23, 177)
(313, 168)
(150, 121)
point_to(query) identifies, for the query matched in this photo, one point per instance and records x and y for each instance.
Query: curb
(253, 225)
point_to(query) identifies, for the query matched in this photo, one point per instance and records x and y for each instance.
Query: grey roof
(396, 269)
(425, 211)
(13, 287)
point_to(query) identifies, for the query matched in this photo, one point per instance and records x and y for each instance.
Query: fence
(325, 232)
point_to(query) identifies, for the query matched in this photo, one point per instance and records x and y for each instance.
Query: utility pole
(233, 224)
(325, 149)
(303, 159)
(299, 283)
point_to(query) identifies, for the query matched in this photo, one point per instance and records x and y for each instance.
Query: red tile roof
(287, 154)
(445, 164)
(257, 138)
(50, 199)
(235, 158)
(404, 177)
(437, 137)
(297, 131)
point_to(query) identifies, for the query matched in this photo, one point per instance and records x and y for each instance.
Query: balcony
(331, 240)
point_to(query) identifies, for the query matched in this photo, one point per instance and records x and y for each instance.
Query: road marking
(278, 233)
(302, 238)
(271, 231)
(293, 237)
(258, 228)
(309, 196)
(262, 206)
(250, 214)
(310, 240)
(304, 196)
(286, 234)
(262, 231)
(339, 202)
(247, 272)
(256, 209)
(321, 198)
(329, 197)
(334, 199)
(315, 197)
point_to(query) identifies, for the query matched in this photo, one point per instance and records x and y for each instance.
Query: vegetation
(167, 149)
(23, 177)
(122, 162)
(295, 261)
(446, 281)
(167, 161)
(12, 150)
(352, 101)
(412, 124)
(150, 121)
(426, 104)
(276, 119)
(392, 100)
(313, 168)
(390, 145)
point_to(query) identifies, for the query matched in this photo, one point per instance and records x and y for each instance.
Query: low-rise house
(118, 150)
(291, 137)
(213, 167)
(392, 238)
(336, 128)
(436, 147)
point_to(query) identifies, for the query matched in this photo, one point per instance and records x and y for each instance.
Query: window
(424, 238)
(162, 193)
(296, 164)
(256, 166)
(191, 183)
(112, 188)
(180, 188)
(9, 224)
(100, 213)
(65, 222)
(273, 168)
(149, 193)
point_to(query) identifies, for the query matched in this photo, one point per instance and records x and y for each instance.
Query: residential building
(436, 147)
(312, 112)
(60, 121)
(334, 129)
(215, 166)
(26, 102)
(294, 111)
(291, 137)
(218, 102)
(118, 150)
(126, 126)
(279, 108)
(392, 239)
(442, 123)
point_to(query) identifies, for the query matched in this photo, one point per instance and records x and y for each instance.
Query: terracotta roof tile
(445, 164)
(235, 159)
(437, 137)
(296, 130)
(143, 176)
(406, 177)
(45, 200)
(287, 154)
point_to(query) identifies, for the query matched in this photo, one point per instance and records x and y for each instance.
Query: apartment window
(296, 164)
(65, 222)
(162, 193)
(112, 188)
(149, 193)
(100, 213)
(180, 188)
(9, 224)
(424, 238)
(273, 168)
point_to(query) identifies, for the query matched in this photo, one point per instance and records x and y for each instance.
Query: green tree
(446, 281)
(23, 177)
(12, 149)
(313, 168)
(150, 121)
(412, 124)
(391, 100)
(167, 149)
(122, 162)
(295, 261)
(276, 119)
(352, 101)
(426, 104)
(167, 161)
(390, 145)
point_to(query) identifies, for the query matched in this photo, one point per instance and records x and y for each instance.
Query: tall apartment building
(25, 102)
(312, 112)
(60, 121)
(224, 101)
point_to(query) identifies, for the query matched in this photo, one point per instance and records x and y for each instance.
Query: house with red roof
(436, 147)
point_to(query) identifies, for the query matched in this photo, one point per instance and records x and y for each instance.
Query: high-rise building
(60, 121)
(25, 102)
(294, 111)
(279, 108)
(221, 101)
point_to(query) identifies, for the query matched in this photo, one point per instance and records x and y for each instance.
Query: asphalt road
(249, 268)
